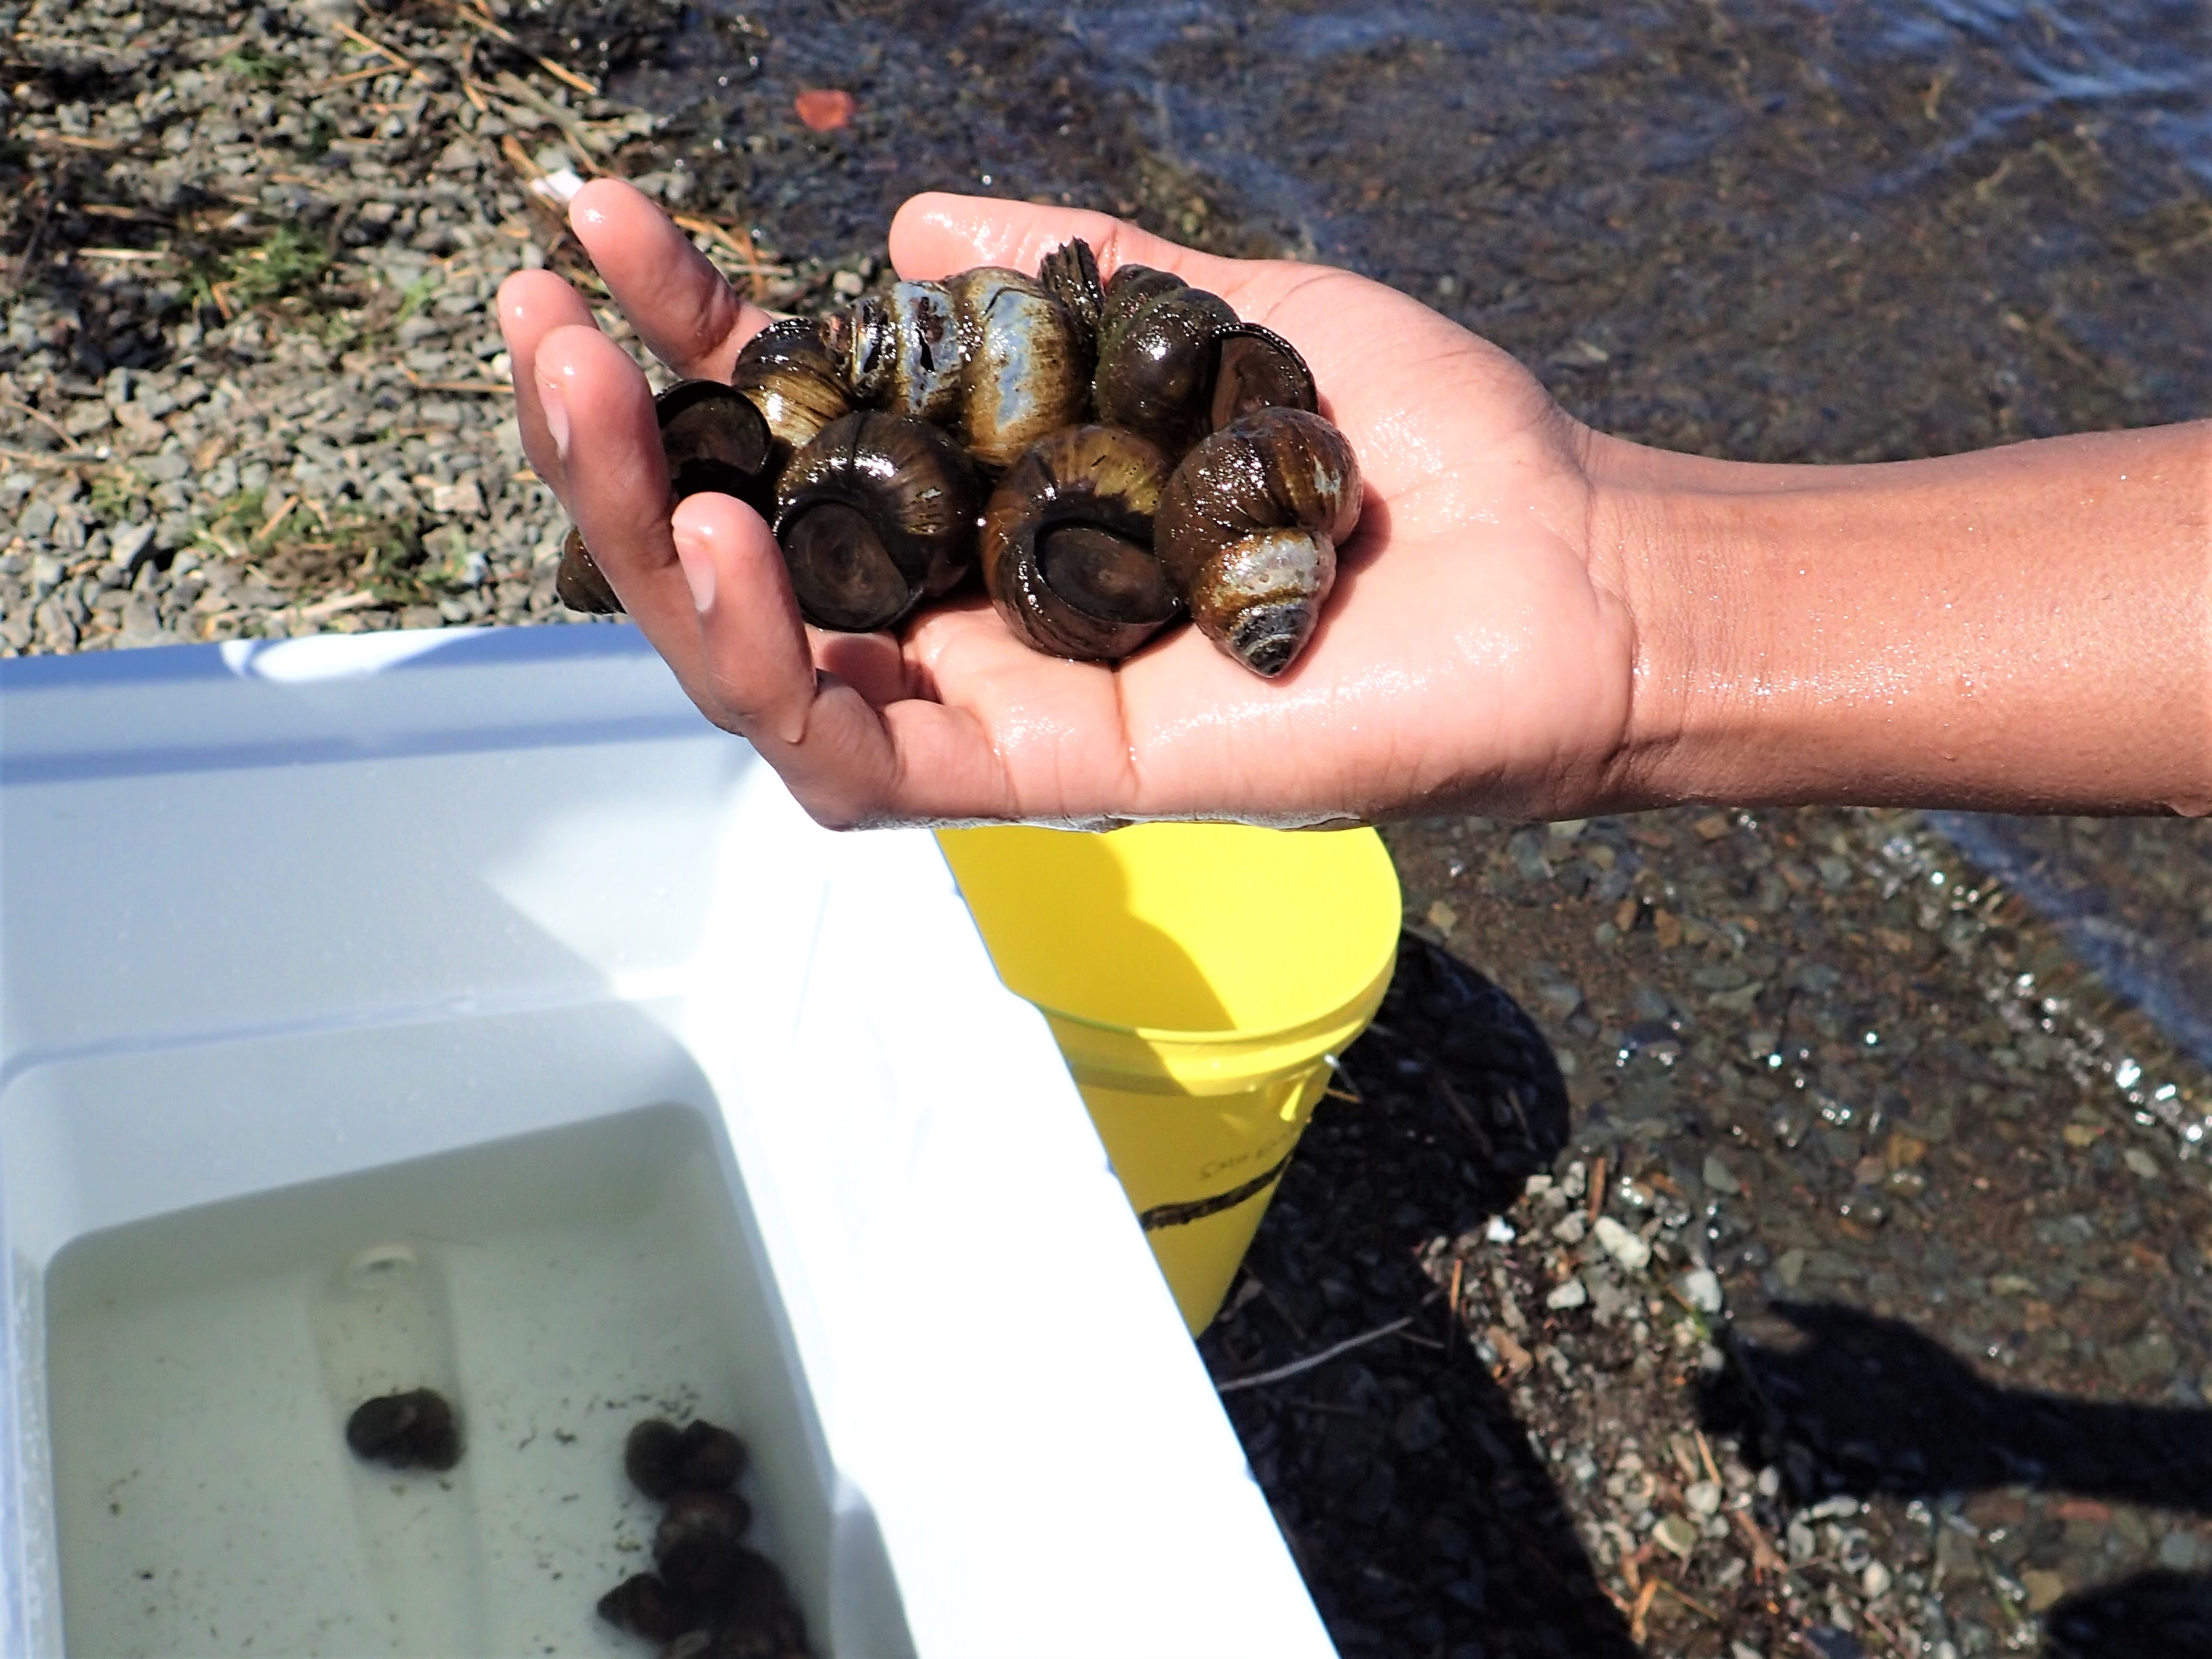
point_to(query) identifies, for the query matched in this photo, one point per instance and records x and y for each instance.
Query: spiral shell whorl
(875, 515)
(789, 373)
(1067, 545)
(1248, 527)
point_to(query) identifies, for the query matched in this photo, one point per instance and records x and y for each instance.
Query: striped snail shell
(788, 373)
(712, 439)
(1067, 545)
(875, 515)
(1174, 362)
(1248, 527)
(990, 354)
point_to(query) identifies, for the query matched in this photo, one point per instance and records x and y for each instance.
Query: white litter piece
(456, 1007)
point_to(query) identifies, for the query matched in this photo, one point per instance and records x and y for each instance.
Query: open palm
(1468, 655)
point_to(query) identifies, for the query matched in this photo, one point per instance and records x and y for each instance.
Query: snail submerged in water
(416, 1429)
(1152, 454)
(710, 1595)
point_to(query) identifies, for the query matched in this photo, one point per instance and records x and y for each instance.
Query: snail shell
(579, 581)
(789, 373)
(711, 438)
(876, 514)
(1174, 362)
(989, 353)
(714, 439)
(1248, 527)
(1070, 274)
(1067, 546)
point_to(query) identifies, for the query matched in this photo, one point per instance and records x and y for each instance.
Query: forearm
(2027, 628)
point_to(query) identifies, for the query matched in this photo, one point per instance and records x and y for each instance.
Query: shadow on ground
(1868, 1405)
(1401, 1473)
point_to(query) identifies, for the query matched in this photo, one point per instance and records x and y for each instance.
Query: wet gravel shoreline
(1802, 1252)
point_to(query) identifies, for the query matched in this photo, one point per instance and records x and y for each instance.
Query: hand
(1476, 651)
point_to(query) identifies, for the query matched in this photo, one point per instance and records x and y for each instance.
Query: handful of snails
(1113, 456)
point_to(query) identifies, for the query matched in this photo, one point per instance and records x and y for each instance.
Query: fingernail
(697, 559)
(557, 414)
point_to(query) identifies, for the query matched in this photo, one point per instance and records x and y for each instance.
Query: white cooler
(459, 1009)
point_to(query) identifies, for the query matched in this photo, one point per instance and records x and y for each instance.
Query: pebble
(1701, 1289)
(1623, 1246)
(1573, 1293)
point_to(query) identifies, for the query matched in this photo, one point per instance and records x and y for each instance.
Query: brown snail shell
(1070, 274)
(580, 582)
(1175, 363)
(1067, 545)
(990, 354)
(1248, 527)
(789, 373)
(712, 437)
(416, 1429)
(876, 514)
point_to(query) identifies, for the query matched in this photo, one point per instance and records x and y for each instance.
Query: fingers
(935, 235)
(753, 669)
(748, 662)
(532, 305)
(605, 448)
(673, 296)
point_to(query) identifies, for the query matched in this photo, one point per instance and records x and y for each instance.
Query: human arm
(1533, 620)
(2025, 628)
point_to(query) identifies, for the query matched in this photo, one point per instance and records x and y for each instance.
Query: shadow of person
(1866, 1405)
(2153, 1615)
(1422, 1516)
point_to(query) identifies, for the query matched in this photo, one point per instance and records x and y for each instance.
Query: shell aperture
(875, 515)
(1067, 546)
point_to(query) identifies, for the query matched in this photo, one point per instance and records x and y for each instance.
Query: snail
(416, 1429)
(1067, 545)
(580, 582)
(712, 437)
(1174, 362)
(875, 515)
(697, 1544)
(712, 1597)
(990, 354)
(662, 1460)
(1248, 527)
(643, 1605)
(788, 373)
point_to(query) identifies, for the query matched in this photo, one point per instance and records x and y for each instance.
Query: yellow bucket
(1197, 977)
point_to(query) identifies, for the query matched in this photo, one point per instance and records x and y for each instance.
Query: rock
(1571, 1294)
(2045, 1588)
(1676, 1534)
(2180, 1552)
(1622, 1245)
(1718, 1176)
(1701, 1289)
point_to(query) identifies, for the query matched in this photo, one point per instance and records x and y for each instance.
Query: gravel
(1782, 1244)
(1839, 1257)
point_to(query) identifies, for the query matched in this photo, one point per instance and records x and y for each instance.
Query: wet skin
(1533, 620)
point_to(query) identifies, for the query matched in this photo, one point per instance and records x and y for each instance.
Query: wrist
(2028, 628)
